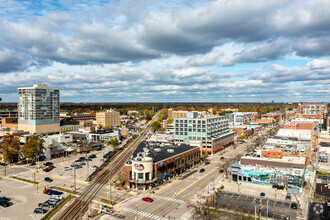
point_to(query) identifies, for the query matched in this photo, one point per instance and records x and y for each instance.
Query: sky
(167, 51)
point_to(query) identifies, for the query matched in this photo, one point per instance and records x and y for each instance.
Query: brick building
(312, 110)
(152, 164)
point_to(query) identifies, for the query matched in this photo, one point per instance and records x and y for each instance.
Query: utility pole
(110, 195)
(74, 178)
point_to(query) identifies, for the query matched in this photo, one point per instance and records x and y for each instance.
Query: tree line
(11, 148)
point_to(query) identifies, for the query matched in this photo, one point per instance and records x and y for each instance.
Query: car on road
(294, 205)
(262, 194)
(32, 164)
(221, 171)
(207, 163)
(222, 158)
(40, 210)
(288, 197)
(202, 170)
(147, 199)
(67, 168)
(3, 164)
(48, 179)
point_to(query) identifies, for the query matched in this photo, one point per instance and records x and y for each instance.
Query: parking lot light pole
(267, 209)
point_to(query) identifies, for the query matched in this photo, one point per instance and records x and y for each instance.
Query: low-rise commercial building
(152, 164)
(286, 171)
(8, 114)
(239, 118)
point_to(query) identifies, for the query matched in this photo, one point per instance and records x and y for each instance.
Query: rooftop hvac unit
(170, 150)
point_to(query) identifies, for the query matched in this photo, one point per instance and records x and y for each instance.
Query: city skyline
(167, 51)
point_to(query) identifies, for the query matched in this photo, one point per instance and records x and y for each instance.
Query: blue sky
(167, 51)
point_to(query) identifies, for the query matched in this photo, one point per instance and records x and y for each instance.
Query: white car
(67, 168)
(57, 197)
(94, 167)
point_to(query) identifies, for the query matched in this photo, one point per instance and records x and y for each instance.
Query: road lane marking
(197, 181)
(83, 182)
(168, 187)
(58, 177)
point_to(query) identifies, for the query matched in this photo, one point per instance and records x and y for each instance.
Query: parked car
(207, 163)
(56, 193)
(82, 163)
(221, 171)
(40, 210)
(44, 204)
(222, 158)
(92, 156)
(50, 192)
(202, 170)
(67, 168)
(52, 202)
(288, 197)
(147, 199)
(48, 163)
(82, 158)
(46, 191)
(94, 167)
(58, 197)
(262, 194)
(32, 164)
(4, 203)
(294, 205)
(48, 179)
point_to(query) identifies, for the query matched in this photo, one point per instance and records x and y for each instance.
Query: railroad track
(78, 208)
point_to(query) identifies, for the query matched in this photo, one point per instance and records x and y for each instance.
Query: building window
(147, 176)
(140, 175)
(134, 175)
(130, 175)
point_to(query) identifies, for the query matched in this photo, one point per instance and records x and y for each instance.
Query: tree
(170, 120)
(113, 142)
(10, 147)
(155, 126)
(205, 154)
(107, 125)
(33, 147)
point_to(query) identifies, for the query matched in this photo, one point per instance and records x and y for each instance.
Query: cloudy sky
(167, 51)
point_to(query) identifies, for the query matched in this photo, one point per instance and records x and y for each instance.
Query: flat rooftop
(284, 159)
(160, 151)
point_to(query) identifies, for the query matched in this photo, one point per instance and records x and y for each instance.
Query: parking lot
(250, 205)
(24, 198)
(64, 177)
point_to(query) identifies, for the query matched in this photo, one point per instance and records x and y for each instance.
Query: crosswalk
(170, 199)
(144, 214)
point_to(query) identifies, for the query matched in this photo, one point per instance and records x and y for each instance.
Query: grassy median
(24, 180)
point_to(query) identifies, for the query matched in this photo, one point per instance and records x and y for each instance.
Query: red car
(221, 171)
(147, 199)
(45, 191)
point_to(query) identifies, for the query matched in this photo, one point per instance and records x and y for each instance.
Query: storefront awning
(163, 176)
(168, 174)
